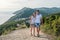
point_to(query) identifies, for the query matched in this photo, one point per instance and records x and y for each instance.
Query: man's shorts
(37, 24)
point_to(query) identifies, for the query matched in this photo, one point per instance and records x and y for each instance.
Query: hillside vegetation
(10, 26)
(52, 25)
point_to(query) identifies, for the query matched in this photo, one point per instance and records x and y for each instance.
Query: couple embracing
(35, 22)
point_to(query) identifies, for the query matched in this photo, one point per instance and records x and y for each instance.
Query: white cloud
(18, 4)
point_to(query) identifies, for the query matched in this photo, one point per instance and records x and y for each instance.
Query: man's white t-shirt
(38, 18)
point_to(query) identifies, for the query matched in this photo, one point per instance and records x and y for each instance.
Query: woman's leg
(31, 29)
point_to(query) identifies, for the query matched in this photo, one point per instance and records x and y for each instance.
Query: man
(38, 21)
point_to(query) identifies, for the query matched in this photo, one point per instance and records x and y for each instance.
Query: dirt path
(23, 34)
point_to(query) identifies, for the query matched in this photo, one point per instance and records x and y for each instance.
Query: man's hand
(41, 21)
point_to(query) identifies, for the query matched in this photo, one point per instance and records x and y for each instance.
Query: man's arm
(41, 19)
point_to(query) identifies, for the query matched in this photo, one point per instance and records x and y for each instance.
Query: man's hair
(37, 10)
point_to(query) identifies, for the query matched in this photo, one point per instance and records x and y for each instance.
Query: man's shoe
(38, 35)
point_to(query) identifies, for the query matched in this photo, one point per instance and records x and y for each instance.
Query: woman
(32, 26)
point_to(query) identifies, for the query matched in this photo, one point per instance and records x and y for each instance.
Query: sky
(19, 4)
(7, 6)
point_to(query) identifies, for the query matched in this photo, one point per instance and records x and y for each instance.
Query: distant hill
(26, 12)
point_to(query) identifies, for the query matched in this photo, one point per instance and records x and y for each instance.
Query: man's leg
(37, 31)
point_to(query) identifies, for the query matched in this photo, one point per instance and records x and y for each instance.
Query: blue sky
(18, 4)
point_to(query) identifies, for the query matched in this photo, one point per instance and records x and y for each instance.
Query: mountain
(23, 13)
(26, 12)
(49, 10)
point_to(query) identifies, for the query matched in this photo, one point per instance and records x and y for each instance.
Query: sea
(4, 16)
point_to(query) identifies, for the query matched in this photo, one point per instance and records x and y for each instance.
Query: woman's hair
(34, 13)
